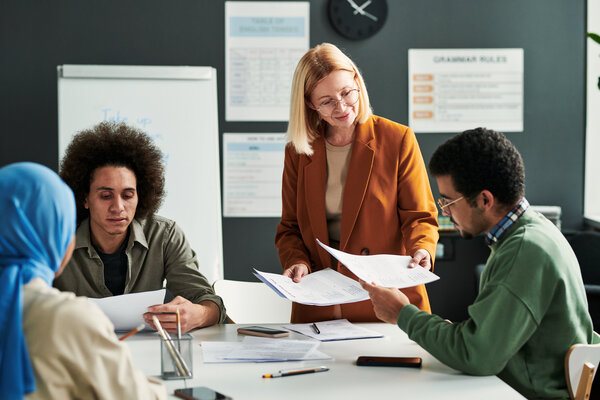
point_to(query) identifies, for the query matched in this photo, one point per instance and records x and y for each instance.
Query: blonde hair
(316, 64)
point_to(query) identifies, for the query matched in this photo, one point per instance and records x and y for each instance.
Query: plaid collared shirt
(498, 230)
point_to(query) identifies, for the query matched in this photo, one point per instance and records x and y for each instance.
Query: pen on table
(314, 326)
(133, 332)
(182, 368)
(297, 372)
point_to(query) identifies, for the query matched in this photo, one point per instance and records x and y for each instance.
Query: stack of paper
(257, 349)
(321, 288)
(339, 329)
(327, 287)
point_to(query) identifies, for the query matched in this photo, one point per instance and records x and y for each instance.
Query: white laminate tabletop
(344, 380)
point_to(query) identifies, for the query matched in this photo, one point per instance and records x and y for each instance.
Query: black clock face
(357, 19)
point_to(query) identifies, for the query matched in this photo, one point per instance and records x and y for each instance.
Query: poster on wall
(451, 90)
(252, 170)
(263, 43)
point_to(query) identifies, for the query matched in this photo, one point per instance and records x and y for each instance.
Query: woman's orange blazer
(387, 208)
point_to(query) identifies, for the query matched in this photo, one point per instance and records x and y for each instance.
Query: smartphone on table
(200, 393)
(262, 331)
(371, 361)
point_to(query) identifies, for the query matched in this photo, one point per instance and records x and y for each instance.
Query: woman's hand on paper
(387, 302)
(296, 272)
(191, 315)
(421, 258)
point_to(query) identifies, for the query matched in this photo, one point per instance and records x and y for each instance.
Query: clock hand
(361, 11)
(362, 7)
(366, 14)
(355, 6)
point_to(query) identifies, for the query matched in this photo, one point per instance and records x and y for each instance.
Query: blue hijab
(37, 224)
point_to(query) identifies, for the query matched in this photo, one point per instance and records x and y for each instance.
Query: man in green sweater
(531, 305)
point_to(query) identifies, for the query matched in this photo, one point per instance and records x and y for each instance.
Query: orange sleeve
(288, 238)
(416, 206)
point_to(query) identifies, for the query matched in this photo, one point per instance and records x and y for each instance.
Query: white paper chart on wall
(177, 108)
(263, 42)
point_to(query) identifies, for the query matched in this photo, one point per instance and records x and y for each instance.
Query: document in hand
(338, 329)
(385, 270)
(321, 288)
(125, 311)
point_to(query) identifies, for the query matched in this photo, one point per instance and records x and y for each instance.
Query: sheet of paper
(385, 270)
(263, 42)
(215, 352)
(253, 349)
(339, 329)
(451, 90)
(321, 288)
(252, 168)
(125, 311)
(271, 349)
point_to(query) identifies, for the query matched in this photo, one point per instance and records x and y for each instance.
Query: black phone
(200, 393)
(262, 331)
(410, 362)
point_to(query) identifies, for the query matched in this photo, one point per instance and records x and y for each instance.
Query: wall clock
(357, 19)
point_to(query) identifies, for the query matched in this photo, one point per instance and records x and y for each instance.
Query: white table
(344, 380)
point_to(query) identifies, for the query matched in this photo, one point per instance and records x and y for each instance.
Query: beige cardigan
(74, 351)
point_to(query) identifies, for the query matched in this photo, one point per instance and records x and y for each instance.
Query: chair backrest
(581, 364)
(586, 246)
(252, 302)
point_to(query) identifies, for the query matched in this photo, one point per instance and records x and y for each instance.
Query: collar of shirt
(83, 237)
(498, 230)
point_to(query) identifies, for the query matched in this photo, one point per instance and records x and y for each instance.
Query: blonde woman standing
(351, 179)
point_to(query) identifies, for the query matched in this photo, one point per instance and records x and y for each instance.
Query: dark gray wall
(37, 36)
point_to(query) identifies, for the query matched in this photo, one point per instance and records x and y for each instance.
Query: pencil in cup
(178, 330)
(181, 369)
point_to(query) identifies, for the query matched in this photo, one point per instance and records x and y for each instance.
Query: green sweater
(530, 309)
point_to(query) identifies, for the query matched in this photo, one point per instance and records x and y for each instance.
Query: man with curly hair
(117, 175)
(531, 305)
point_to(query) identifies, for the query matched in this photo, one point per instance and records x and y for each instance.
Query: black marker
(314, 326)
(297, 372)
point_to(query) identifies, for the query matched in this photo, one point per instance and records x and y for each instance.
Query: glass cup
(168, 366)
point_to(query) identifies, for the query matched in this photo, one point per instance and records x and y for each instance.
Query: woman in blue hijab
(38, 223)
(37, 228)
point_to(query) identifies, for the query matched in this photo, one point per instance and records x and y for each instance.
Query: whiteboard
(177, 107)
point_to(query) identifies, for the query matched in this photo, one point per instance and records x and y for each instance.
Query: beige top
(338, 158)
(74, 351)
